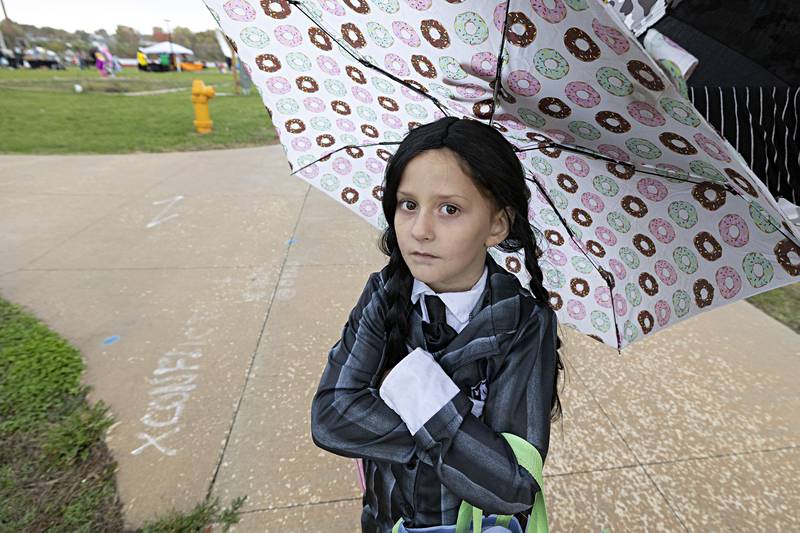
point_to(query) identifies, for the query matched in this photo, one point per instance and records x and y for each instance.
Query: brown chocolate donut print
(307, 84)
(595, 248)
(553, 237)
(359, 6)
(369, 130)
(512, 264)
(573, 35)
(645, 75)
(279, 11)
(268, 63)
(622, 171)
(349, 195)
(579, 287)
(604, 118)
(389, 104)
(325, 140)
(384, 154)
(341, 107)
(555, 300)
(377, 192)
(553, 152)
(567, 182)
(355, 74)
(581, 217)
(703, 286)
(320, 39)
(427, 27)
(705, 238)
(355, 152)
(483, 109)
(634, 206)
(782, 251)
(676, 143)
(699, 193)
(646, 321)
(546, 104)
(644, 244)
(743, 183)
(648, 283)
(423, 66)
(528, 34)
(295, 125)
(353, 35)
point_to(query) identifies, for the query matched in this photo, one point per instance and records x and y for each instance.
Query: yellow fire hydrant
(201, 94)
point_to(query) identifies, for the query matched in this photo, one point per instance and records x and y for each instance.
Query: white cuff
(417, 388)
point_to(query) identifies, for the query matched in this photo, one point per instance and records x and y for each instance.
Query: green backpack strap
(530, 459)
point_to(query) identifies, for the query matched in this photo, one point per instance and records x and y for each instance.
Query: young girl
(445, 350)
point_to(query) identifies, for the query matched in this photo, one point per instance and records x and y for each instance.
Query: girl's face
(440, 212)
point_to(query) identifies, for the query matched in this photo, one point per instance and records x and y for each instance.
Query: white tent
(164, 48)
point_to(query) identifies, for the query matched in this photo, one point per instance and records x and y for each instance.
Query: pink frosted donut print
(644, 113)
(652, 189)
(368, 208)
(614, 151)
(582, 94)
(575, 310)
(617, 268)
(470, 91)
(733, 230)
(301, 144)
(374, 165)
(605, 235)
(729, 282)
(663, 312)
(510, 121)
(560, 136)
(484, 64)
(612, 37)
(345, 124)
(602, 295)
(406, 33)
(523, 83)
(666, 272)
(328, 65)
(419, 5)
(332, 7)
(288, 35)
(396, 65)
(577, 166)
(552, 15)
(620, 305)
(592, 202)
(341, 165)
(362, 95)
(314, 104)
(557, 257)
(662, 230)
(278, 85)
(711, 148)
(239, 10)
(392, 120)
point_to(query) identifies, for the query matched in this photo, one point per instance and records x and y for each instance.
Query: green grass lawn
(782, 304)
(56, 472)
(43, 115)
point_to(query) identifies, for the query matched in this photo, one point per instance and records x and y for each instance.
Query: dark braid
(398, 299)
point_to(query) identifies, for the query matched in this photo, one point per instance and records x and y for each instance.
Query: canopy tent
(167, 48)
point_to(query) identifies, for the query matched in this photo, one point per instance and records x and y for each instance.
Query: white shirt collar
(459, 304)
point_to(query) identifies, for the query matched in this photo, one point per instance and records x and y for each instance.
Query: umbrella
(645, 215)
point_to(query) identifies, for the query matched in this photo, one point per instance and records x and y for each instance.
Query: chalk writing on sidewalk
(172, 383)
(158, 220)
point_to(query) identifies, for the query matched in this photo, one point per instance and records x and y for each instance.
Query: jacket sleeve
(348, 417)
(469, 456)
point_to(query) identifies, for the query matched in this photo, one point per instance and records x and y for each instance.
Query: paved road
(204, 290)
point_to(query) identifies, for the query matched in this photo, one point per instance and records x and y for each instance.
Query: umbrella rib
(443, 108)
(499, 64)
(607, 276)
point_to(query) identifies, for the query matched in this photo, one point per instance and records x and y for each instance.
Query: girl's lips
(420, 254)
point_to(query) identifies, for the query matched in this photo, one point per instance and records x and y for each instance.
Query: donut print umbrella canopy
(645, 214)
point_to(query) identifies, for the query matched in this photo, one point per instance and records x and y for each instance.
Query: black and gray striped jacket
(510, 340)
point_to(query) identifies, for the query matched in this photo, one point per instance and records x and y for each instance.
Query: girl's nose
(422, 229)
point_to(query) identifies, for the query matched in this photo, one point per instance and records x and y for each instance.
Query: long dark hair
(489, 159)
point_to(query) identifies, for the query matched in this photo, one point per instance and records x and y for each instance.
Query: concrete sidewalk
(205, 289)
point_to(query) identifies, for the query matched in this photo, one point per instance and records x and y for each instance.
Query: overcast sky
(91, 15)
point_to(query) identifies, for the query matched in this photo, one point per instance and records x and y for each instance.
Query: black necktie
(438, 333)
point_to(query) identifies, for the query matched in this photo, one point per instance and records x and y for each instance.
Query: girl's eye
(451, 206)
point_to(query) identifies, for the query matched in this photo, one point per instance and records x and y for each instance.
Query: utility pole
(5, 14)
(169, 35)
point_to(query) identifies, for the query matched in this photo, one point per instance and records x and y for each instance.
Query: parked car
(38, 57)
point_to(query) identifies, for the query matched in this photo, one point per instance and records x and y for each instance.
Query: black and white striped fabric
(455, 455)
(762, 124)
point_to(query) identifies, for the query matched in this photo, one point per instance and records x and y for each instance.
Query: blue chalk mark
(291, 241)
(111, 340)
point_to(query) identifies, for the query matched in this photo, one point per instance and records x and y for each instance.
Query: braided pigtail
(398, 302)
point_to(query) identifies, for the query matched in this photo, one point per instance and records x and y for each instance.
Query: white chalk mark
(154, 442)
(158, 220)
